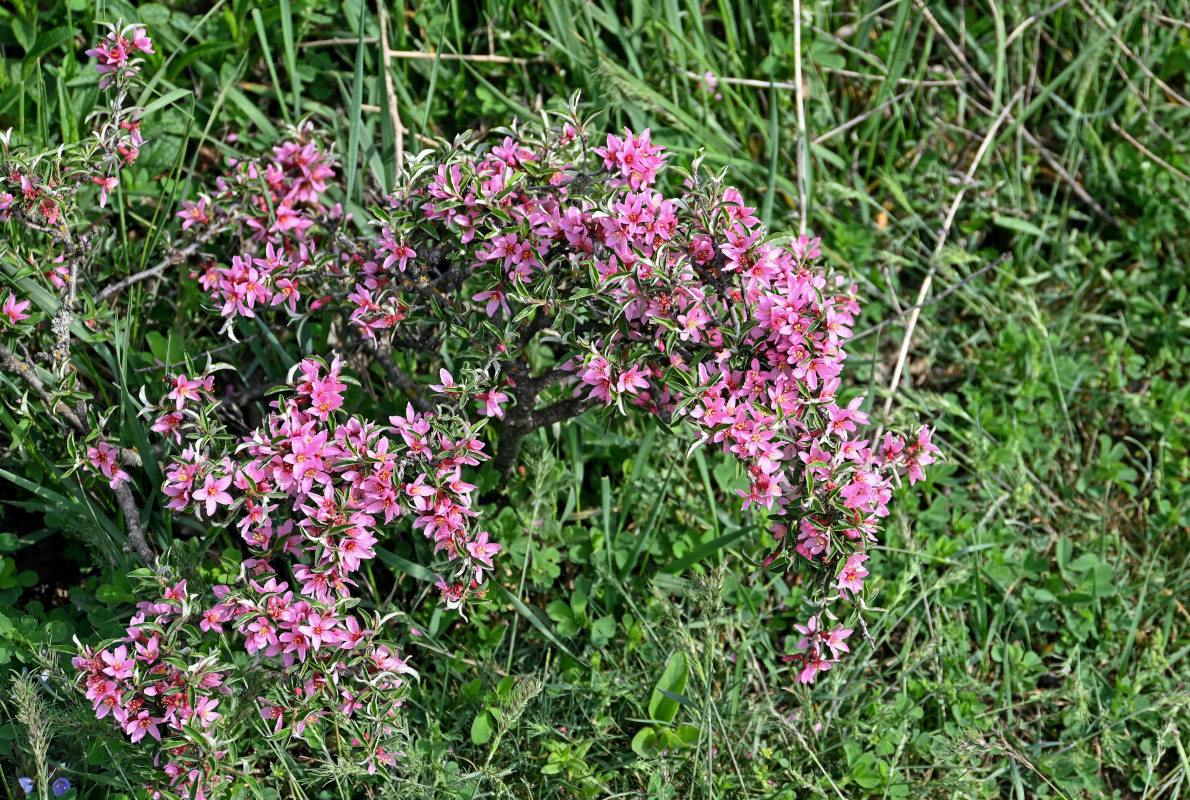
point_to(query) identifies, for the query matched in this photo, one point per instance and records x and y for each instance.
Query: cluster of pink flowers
(308, 492)
(33, 197)
(691, 311)
(116, 55)
(281, 217)
(116, 144)
(670, 300)
(105, 459)
(138, 684)
(814, 644)
(709, 83)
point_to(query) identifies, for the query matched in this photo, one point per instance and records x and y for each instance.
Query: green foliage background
(1034, 634)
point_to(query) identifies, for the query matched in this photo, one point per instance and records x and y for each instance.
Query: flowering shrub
(505, 287)
(676, 306)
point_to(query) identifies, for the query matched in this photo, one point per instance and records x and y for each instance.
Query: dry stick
(176, 257)
(478, 58)
(867, 76)
(946, 223)
(1078, 190)
(393, 112)
(935, 299)
(1127, 136)
(760, 84)
(136, 534)
(1181, 23)
(416, 54)
(803, 146)
(331, 42)
(1136, 59)
(1056, 166)
(1074, 185)
(851, 123)
(383, 354)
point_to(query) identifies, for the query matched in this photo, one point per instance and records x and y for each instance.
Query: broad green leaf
(673, 679)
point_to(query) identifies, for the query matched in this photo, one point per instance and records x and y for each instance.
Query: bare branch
(137, 542)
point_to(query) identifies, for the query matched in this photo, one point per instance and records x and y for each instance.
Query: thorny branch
(137, 543)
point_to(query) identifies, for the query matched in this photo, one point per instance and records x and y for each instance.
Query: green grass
(1033, 638)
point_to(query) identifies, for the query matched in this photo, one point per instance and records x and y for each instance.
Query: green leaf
(169, 98)
(47, 42)
(405, 565)
(673, 679)
(154, 15)
(1084, 563)
(113, 594)
(25, 31)
(699, 553)
(1018, 225)
(688, 734)
(536, 622)
(645, 742)
(679, 698)
(602, 630)
(559, 611)
(482, 728)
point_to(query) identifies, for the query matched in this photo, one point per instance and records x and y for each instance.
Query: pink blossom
(212, 492)
(14, 310)
(106, 185)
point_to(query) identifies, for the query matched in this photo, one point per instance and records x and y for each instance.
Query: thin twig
(867, 76)
(1045, 12)
(761, 84)
(478, 58)
(136, 533)
(175, 257)
(1074, 185)
(1049, 158)
(1169, 90)
(383, 355)
(942, 235)
(803, 144)
(337, 41)
(394, 113)
(935, 299)
(851, 123)
(1128, 137)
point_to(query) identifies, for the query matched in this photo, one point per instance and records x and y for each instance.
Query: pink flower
(482, 550)
(843, 420)
(14, 310)
(813, 665)
(119, 665)
(212, 492)
(269, 712)
(194, 213)
(851, 579)
(141, 724)
(835, 640)
(810, 633)
(106, 185)
(490, 403)
(353, 635)
(168, 424)
(320, 630)
(204, 711)
(184, 389)
(495, 300)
